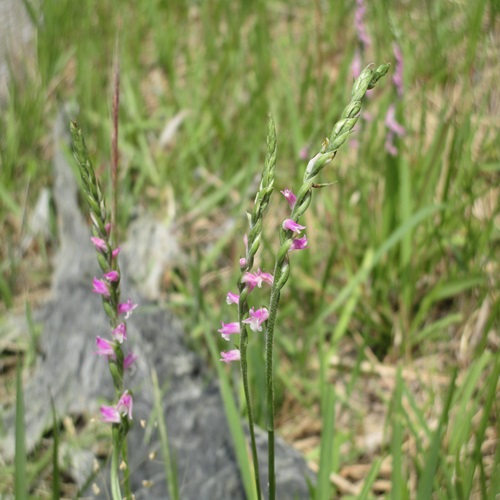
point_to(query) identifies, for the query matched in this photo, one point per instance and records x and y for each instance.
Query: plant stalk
(115, 464)
(246, 389)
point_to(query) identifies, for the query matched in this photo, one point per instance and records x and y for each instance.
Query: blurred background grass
(402, 266)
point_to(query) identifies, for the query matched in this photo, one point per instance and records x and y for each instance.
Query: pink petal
(304, 153)
(359, 23)
(100, 287)
(291, 225)
(129, 360)
(392, 124)
(397, 77)
(112, 276)
(126, 308)
(110, 414)
(232, 298)
(120, 333)
(257, 279)
(356, 64)
(104, 347)
(99, 243)
(290, 197)
(229, 329)
(124, 405)
(233, 355)
(250, 279)
(264, 278)
(298, 244)
(256, 319)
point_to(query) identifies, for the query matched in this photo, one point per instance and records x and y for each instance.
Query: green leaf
(324, 488)
(56, 476)
(234, 422)
(20, 482)
(434, 455)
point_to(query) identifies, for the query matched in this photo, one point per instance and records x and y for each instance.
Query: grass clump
(405, 293)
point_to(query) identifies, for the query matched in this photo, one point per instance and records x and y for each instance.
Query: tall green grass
(404, 250)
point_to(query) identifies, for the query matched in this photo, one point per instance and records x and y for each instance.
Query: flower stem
(126, 472)
(273, 309)
(108, 263)
(246, 389)
(340, 132)
(255, 220)
(115, 464)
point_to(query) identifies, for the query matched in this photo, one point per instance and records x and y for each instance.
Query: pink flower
(99, 243)
(290, 197)
(124, 405)
(291, 225)
(233, 355)
(394, 129)
(392, 124)
(356, 64)
(264, 278)
(129, 360)
(232, 298)
(126, 308)
(304, 153)
(397, 77)
(298, 244)
(112, 276)
(359, 22)
(120, 333)
(256, 319)
(389, 145)
(100, 287)
(113, 414)
(243, 260)
(110, 414)
(229, 329)
(257, 279)
(115, 252)
(104, 347)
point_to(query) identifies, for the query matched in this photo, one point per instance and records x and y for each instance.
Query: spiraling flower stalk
(254, 237)
(119, 415)
(367, 80)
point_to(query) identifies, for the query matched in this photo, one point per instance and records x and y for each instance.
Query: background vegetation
(395, 304)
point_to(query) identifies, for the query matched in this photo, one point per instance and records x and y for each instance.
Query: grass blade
(434, 455)
(170, 468)
(20, 483)
(234, 422)
(324, 488)
(397, 479)
(377, 256)
(56, 476)
(370, 478)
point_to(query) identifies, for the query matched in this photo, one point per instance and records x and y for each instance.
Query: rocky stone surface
(79, 381)
(16, 31)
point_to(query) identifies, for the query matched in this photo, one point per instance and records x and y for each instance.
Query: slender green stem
(339, 134)
(273, 309)
(254, 236)
(246, 389)
(126, 472)
(108, 262)
(115, 464)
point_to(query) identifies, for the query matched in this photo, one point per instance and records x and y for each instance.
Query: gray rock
(16, 31)
(79, 381)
